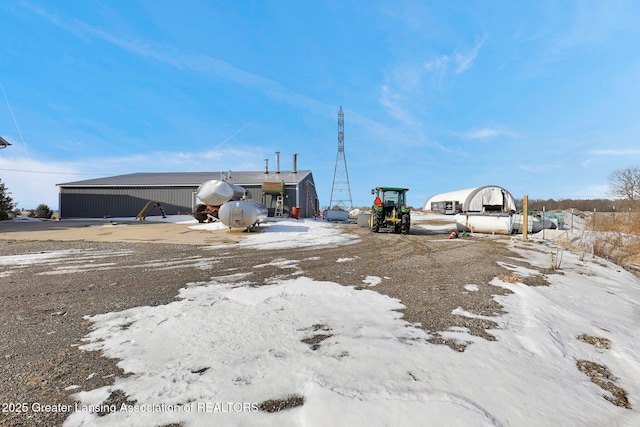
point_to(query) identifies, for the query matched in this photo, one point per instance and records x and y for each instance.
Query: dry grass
(599, 342)
(600, 375)
(618, 237)
(628, 223)
(513, 278)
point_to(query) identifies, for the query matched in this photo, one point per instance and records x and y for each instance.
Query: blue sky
(539, 97)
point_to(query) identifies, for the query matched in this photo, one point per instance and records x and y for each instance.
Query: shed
(489, 198)
(4, 143)
(127, 195)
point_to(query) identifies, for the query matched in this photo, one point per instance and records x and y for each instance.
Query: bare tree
(625, 183)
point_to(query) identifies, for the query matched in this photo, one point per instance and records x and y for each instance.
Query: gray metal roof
(189, 179)
(4, 143)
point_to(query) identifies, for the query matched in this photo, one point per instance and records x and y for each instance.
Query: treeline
(600, 205)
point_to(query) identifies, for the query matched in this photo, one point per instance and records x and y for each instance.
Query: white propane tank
(489, 224)
(242, 214)
(216, 192)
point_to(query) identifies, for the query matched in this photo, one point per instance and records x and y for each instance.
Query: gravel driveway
(43, 303)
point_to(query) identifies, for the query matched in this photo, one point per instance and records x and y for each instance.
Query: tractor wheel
(406, 224)
(201, 215)
(376, 219)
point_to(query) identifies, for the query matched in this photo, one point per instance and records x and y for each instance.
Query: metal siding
(254, 192)
(122, 202)
(86, 201)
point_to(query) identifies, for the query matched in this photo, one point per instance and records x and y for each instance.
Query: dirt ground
(113, 266)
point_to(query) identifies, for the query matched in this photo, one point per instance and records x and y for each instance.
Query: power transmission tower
(340, 191)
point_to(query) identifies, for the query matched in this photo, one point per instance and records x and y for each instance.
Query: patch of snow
(210, 226)
(227, 342)
(372, 280)
(374, 366)
(284, 234)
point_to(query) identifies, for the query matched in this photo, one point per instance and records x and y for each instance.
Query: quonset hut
(127, 195)
(486, 199)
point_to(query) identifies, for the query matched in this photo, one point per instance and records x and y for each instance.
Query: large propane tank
(242, 214)
(216, 192)
(535, 224)
(489, 224)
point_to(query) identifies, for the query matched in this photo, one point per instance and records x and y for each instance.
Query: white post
(572, 220)
(525, 217)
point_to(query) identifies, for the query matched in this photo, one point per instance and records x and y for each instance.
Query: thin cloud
(587, 163)
(485, 133)
(198, 63)
(438, 64)
(32, 182)
(207, 65)
(391, 101)
(233, 135)
(596, 191)
(625, 152)
(465, 60)
(541, 168)
(438, 69)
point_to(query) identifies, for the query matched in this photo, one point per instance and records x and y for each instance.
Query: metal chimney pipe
(266, 165)
(277, 162)
(295, 162)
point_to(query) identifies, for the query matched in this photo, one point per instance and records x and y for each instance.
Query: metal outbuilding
(127, 195)
(4, 143)
(486, 199)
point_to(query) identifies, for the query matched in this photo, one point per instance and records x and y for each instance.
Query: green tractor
(389, 210)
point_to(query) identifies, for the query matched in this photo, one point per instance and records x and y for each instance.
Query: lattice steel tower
(340, 191)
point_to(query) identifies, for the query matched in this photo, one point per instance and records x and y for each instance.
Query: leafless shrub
(617, 237)
(556, 259)
(617, 247)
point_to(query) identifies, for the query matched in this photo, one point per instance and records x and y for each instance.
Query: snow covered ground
(213, 355)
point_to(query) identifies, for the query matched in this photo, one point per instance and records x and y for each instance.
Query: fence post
(572, 220)
(525, 217)
(614, 215)
(543, 217)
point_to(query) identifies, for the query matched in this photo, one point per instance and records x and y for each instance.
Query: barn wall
(110, 202)
(122, 201)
